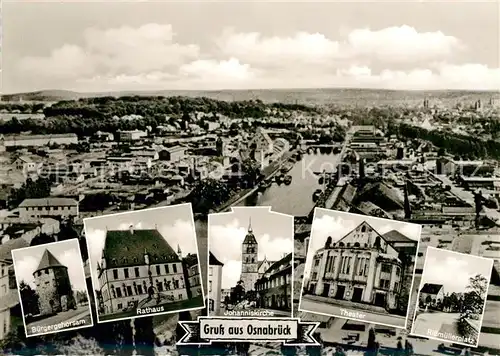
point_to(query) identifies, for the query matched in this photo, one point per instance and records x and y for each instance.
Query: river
(296, 198)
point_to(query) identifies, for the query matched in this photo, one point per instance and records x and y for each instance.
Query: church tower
(249, 260)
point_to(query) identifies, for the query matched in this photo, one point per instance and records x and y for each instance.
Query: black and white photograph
(52, 289)
(386, 109)
(250, 263)
(360, 267)
(145, 263)
(452, 296)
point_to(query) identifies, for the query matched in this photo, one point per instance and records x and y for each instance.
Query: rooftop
(7, 247)
(48, 260)
(37, 137)
(395, 236)
(127, 248)
(431, 288)
(48, 202)
(213, 261)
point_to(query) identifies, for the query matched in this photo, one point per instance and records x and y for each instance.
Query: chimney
(131, 229)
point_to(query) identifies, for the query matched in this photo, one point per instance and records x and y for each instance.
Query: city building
(53, 285)
(14, 141)
(173, 154)
(10, 308)
(249, 260)
(130, 135)
(48, 207)
(274, 288)
(214, 284)
(431, 293)
(132, 262)
(360, 267)
(192, 275)
(263, 266)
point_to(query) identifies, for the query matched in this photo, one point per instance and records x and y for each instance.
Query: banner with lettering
(290, 331)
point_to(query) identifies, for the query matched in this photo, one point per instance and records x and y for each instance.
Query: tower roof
(48, 260)
(250, 237)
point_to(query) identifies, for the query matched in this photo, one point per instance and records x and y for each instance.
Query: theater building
(361, 267)
(274, 288)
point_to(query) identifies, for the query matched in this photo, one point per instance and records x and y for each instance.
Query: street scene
(53, 294)
(451, 305)
(145, 262)
(386, 109)
(250, 268)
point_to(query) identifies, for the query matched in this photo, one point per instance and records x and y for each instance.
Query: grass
(196, 302)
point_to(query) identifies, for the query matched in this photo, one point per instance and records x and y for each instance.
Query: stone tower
(249, 260)
(53, 285)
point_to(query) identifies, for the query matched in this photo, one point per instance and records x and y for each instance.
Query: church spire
(250, 224)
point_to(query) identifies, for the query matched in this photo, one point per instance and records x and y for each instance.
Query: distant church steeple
(250, 224)
(179, 252)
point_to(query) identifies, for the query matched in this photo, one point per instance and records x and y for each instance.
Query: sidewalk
(347, 304)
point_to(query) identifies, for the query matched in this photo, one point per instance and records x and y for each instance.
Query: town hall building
(363, 266)
(132, 262)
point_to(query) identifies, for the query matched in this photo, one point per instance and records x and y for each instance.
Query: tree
(29, 298)
(209, 194)
(42, 239)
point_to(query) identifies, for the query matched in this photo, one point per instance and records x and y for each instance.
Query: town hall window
(115, 274)
(125, 272)
(166, 269)
(137, 271)
(174, 267)
(158, 270)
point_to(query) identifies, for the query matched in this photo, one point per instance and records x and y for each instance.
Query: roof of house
(431, 288)
(191, 260)
(48, 260)
(38, 137)
(396, 236)
(7, 247)
(124, 248)
(48, 202)
(213, 261)
(287, 260)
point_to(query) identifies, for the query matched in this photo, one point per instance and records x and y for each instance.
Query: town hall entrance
(340, 292)
(357, 294)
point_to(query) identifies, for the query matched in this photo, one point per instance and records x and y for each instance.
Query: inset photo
(360, 268)
(250, 261)
(144, 263)
(452, 297)
(52, 288)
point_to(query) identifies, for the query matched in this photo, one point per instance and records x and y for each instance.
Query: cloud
(401, 44)
(25, 267)
(439, 263)
(225, 243)
(300, 48)
(124, 51)
(68, 256)
(149, 57)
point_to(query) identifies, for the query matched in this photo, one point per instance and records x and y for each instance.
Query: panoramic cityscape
(120, 107)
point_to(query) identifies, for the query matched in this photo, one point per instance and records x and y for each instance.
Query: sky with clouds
(226, 232)
(175, 223)
(205, 45)
(26, 261)
(439, 263)
(338, 224)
